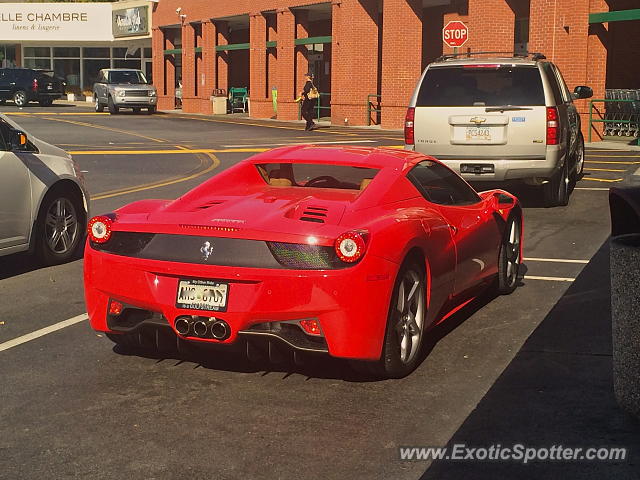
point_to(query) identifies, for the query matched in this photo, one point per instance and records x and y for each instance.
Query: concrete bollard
(625, 296)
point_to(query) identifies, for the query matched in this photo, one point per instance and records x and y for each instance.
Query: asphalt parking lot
(531, 368)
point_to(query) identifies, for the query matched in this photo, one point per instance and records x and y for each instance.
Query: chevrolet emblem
(478, 120)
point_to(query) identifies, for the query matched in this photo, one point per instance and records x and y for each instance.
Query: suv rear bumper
(508, 168)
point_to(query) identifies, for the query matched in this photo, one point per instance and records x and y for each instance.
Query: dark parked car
(24, 85)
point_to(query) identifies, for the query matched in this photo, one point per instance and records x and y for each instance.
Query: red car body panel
(459, 246)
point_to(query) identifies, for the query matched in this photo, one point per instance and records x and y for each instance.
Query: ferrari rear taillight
(409, 120)
(115, 308)
(34, 85)
(350, 247)
(553, 129)
(99, 229)
(311, 326)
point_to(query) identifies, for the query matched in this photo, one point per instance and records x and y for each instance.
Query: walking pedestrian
(309, 97)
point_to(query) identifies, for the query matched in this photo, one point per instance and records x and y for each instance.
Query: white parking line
(637, 172)
(311, 142)
(594, 189)
(549, 279)
(555, 260)
(42, 332)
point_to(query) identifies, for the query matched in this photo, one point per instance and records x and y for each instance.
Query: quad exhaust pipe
(202, 327)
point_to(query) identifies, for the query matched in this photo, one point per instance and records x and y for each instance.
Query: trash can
(219, 102)
(624, 204)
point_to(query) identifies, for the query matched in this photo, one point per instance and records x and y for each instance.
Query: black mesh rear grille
(233, 252)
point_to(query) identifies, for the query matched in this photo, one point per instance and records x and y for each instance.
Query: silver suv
(124, 88)
(496, 119)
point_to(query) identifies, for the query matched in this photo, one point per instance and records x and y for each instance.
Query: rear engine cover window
(470, 85)
(316, 175)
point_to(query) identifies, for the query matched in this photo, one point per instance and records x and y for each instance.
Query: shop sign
(129, 22)
(55, 22)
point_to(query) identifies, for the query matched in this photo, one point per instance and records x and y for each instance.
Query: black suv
(23, 85)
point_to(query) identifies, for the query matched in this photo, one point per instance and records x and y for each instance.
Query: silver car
(44, 204)
(497, 119)
(118, 88)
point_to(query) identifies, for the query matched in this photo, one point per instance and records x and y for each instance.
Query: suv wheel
(556, 191)
(99, 107)
(113, 109)
(578, 161)
(20, 98)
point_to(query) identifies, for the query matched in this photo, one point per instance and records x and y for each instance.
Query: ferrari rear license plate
(202, 295)
(478, 133)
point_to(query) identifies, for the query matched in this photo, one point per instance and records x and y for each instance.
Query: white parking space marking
(637, 172)
(593, 189)
(555, 260)
(303, 143)
(42, 332)
(549, 279)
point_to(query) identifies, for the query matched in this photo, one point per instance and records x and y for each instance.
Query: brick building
(358, 48)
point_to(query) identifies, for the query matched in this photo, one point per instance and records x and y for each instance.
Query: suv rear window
(316, 175)
(486, 85)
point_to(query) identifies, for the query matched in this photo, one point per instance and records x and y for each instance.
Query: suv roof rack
(535, 56)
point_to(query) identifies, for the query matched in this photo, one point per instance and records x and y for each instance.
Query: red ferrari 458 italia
(353, 252)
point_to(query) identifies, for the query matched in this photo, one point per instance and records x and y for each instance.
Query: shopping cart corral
(621, 116)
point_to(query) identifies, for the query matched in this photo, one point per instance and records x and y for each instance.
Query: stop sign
(455, 34)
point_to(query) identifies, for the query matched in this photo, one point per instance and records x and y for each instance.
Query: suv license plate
(478, 133)
(202, 295)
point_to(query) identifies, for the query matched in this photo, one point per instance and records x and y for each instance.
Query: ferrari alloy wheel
(405, 325)
(509, 257)
(60, 228)
(20, 98)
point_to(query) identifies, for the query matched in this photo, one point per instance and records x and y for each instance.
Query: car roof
(366, 157)
(515, 61)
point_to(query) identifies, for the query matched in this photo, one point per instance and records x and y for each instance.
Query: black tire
(20, 98)
(151, 110)
(45, 102)
(556, 191)
(2, 102)
(400, 327)
(509, 257)
(99, 107)
(577, 171)
(113, 109)
(136, 110)
(60, 227)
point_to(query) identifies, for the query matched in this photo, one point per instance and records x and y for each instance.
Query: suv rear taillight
(553, 130)
(409, 138)
(34, 85)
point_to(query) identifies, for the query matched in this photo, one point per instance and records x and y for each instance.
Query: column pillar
(189, 102)
(401, 58)
(208, 65)
(596, 68)
(222, 34)
(157, 44)
(354, 59)
(287, 90)
(259, 106)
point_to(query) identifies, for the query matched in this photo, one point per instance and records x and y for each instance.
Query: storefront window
(37, 52)
(7, 56)
(40, 63)
(73, 52)
(91, 69)
(148, 53)
(126, 64)
(69, 70)
(96, 52)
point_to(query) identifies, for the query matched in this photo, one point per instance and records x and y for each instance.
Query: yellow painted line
(101, 127)
(56, 113)
(606, 169)
(614, 163)
(615, 156)
(167, 152)
(181, 147)
(606, 180)
(215, 163)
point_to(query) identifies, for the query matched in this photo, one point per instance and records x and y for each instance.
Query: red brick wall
(410, 38)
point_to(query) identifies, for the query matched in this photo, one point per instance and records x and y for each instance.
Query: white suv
(496, 119)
